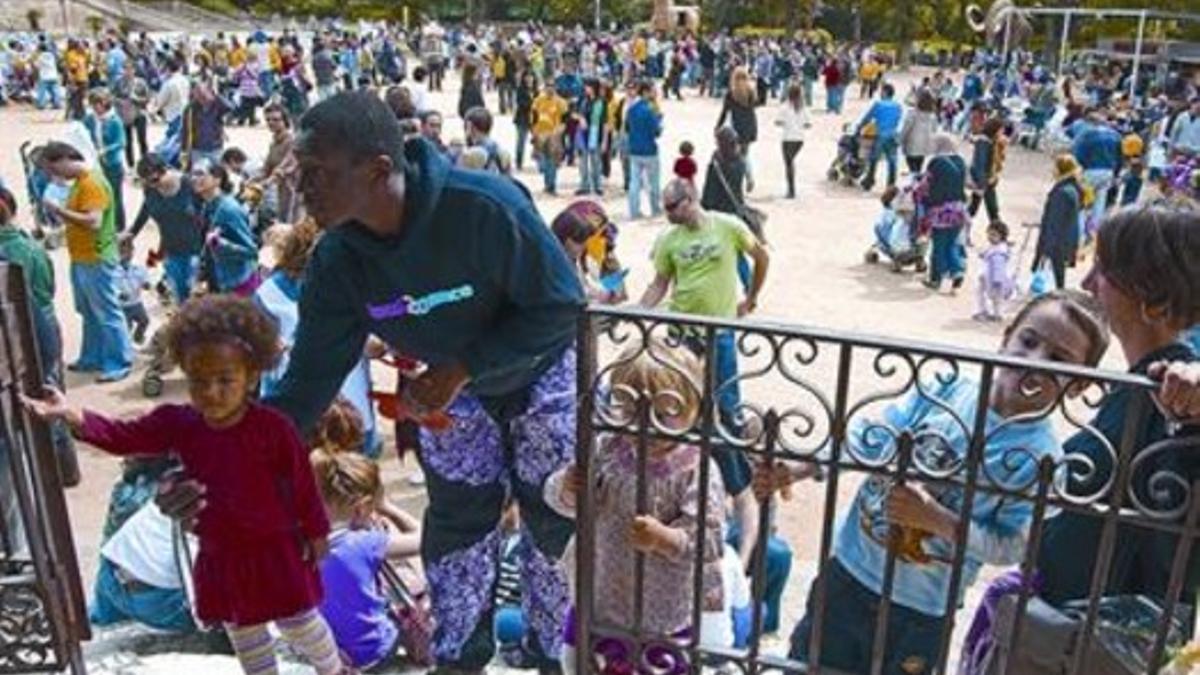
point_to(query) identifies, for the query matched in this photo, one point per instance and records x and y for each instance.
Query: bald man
(696, 262)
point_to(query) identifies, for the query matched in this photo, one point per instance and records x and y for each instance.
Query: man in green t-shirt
(696, 261)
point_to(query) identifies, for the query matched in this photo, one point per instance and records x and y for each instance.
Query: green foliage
(34, 16)
(95, 23)
(901, 22)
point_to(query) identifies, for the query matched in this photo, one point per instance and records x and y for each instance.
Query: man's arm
(762, 260)
(867, 118)
(656, 291)
(329, 342)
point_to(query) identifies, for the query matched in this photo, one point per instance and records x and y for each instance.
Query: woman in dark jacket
(986, 164)
(944, 199)
(527, 90)
(471, 95)
(1058, 237)
(739, 110)
(723, 187)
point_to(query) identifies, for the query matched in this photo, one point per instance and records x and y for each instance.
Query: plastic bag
(1042, 280)
(78, 137)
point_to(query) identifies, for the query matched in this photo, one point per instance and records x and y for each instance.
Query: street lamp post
(1137, 56)
(1062, 48)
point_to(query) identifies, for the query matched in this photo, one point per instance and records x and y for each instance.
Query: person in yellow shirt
(639, 52)
(91, 234)
(76, 62)
(237, 55)
(549, 112)
(868, 77)
(274, 56)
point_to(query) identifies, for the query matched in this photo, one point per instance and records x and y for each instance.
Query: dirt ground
(817, 278)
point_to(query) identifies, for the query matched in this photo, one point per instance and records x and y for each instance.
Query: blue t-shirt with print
(941, 440)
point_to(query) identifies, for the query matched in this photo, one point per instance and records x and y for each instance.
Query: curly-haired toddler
(264, 528)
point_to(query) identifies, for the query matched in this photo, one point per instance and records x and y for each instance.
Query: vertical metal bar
(1135, 416)
(879, 640)
(1029, 564)
(1183, 551)
(585, 372)
(1062, 49)
(975, 450)
(708, 427)
(759, 580)
(643, 507)
(1137, 57)
(837, 436)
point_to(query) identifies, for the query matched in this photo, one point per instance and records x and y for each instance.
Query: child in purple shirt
(367, 531)
(995, 280)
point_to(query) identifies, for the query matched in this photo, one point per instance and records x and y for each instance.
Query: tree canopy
(894, 21)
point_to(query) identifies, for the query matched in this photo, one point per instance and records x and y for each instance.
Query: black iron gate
(803, 390)
(43, 617)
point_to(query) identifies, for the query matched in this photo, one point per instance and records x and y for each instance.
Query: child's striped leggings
(308, 634)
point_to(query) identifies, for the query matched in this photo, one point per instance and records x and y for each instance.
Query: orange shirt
(84, 244)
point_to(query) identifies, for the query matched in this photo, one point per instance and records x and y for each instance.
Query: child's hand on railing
(916, 509)
(778, 477)
(53, 406)
(1178, 395)
(649, 535)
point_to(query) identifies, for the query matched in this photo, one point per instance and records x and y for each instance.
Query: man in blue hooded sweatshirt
(455, 268)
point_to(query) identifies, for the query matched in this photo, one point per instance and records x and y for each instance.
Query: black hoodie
(475, 276)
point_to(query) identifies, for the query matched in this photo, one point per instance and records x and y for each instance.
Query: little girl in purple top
(366, 532)
(995, 280)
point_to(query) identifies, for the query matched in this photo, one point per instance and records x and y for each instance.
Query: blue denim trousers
(644, 171)
(733, 463)
(181, 274)
(885, 146)
(591, 176)
(106, 345)
(948, 259)
(49, 90)
(161, 608)
(778, 568)
(549, 169)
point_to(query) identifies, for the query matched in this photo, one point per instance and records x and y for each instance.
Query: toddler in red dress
(263, 529)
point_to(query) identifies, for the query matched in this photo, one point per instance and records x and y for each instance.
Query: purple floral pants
(472, 469)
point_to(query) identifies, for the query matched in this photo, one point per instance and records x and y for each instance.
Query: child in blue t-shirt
(367, 532)
(921, 520)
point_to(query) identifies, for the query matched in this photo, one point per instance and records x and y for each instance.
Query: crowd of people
(391, 244)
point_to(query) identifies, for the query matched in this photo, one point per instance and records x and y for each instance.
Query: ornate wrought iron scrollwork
(26, 636)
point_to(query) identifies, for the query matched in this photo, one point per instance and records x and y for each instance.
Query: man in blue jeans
(886, 114)
(91, 236)
(643, 126)
(696, 261)
(1097, 148)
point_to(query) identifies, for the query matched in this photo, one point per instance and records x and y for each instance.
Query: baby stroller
(46, 226)
(898, 239)
(850, 163)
